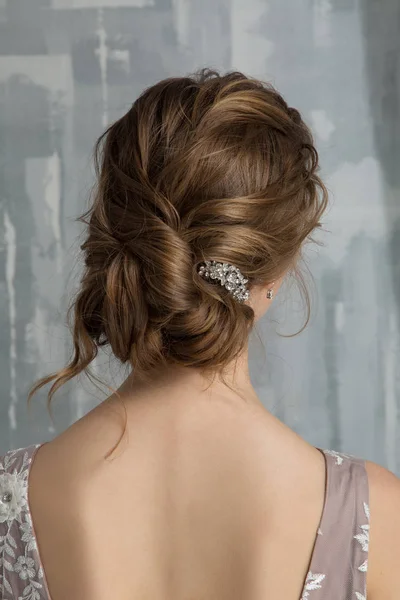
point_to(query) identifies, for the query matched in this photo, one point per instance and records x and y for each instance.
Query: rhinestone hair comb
(226, 275)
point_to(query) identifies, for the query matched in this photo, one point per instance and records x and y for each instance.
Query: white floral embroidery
(12, 496)
(27, 534)
(364, 566)
(338, 455)
(363, 538)
(313, 582)
(25, 567)
(18, 548)
(359, 581)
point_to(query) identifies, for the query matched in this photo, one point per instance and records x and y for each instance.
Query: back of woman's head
(200, 168)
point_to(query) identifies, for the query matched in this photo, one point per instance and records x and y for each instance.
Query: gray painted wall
(69, 67)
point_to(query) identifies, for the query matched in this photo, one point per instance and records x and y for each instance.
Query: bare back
(200, 502)
(203, 499)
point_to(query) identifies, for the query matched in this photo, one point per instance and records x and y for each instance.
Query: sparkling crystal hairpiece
(227, 275)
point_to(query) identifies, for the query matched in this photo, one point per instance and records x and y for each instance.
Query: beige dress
(337, 570)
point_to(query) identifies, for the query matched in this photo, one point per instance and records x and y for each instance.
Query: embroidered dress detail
(363, 538)
(21, 574)
(339, 562)
(313, 582)
(337, 569)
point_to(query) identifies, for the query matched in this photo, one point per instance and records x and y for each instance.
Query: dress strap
(21, 573)
(338, 569)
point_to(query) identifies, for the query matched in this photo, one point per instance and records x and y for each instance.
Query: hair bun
(202, 166)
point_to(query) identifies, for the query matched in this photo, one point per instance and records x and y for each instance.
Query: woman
(181, 485)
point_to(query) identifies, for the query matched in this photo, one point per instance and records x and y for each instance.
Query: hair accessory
(228, 275)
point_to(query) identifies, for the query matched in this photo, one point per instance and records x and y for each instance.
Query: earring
(270, 292)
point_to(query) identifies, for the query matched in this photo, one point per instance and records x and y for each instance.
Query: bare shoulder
(383, 581)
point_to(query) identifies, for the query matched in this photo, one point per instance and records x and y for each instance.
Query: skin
(208, 496)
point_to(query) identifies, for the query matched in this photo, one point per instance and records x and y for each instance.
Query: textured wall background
(69, 67)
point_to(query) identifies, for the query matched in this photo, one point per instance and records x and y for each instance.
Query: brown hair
(200, 168)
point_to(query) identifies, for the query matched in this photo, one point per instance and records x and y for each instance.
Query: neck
(235, 382)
